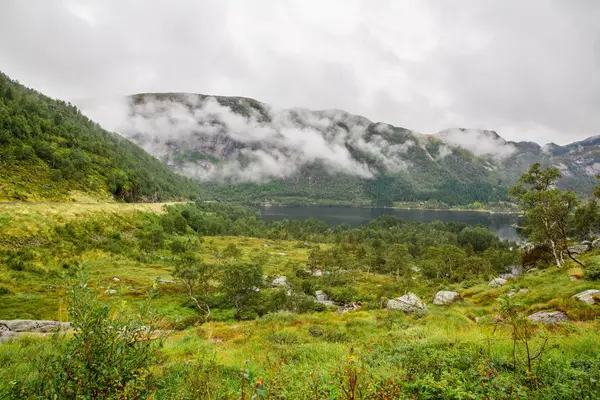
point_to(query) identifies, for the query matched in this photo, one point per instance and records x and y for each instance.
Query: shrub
(592, 272)
(5, 290)
(110, 353)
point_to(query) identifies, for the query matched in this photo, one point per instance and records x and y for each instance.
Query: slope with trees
(50, 151)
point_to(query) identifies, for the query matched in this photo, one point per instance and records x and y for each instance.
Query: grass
(292, 352)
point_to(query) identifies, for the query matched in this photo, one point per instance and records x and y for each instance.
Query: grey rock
(512, 292)
(30, 325)
(548, 317)
(280, 281)
(532, 270)
(587, 243)
(596, 244)
(444, 297)
(116, 279)
(578, 249)
(165, 281)
(497, 282)
(512, 272)
(588, 296)
(408, 303)
(110, 291)
(320, 296)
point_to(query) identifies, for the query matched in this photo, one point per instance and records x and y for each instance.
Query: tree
(548, 210)
(196, 276)
(398, 259)
(242, 283)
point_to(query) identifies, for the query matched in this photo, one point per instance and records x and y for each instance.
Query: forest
(49, 150)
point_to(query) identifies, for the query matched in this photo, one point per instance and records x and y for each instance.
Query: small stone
(588, 296)
(165, 281)
(280, 281)
(116, 279)
(110, 291)
(596, 244)
(532, 270)
(497, 282)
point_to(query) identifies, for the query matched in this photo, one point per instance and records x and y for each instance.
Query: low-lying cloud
(479, 142)
(263, 145)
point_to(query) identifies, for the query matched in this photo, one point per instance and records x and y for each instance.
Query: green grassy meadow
(459, 351)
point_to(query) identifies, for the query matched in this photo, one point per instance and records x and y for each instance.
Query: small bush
(316, 330)
(592, 272)
(5, 290)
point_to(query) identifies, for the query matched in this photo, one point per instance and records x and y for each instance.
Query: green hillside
(49, 151)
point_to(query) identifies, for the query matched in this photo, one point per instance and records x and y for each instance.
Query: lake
(500, 224)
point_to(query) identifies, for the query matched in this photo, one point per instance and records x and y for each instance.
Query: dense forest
(48, 150)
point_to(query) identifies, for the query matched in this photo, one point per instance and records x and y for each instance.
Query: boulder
(588, 296)
(578, 249)
(512, 271)
(497, 282)
(443, 298)
(321, 298)
(30, 325)
(596, 244)
(408, 303)
(587, 243)
(548, 317)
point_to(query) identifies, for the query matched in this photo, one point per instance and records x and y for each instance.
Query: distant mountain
(50, 151)
(245, 150)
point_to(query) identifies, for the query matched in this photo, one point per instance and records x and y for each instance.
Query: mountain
(245, 150)
(50, 151)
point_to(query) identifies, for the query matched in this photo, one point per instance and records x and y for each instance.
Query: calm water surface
(500, 224)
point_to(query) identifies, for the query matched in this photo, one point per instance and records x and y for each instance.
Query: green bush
(592, 272)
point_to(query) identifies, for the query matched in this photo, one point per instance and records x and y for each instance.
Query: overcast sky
(527, 69)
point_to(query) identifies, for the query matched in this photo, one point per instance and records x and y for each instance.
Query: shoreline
(401, 207)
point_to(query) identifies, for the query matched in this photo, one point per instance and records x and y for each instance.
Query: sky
(529, 70)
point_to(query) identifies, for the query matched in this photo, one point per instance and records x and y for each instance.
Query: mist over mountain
(243, 149)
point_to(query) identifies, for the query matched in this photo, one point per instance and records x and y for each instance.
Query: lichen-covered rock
(497, 282)
(548, 317)
(578, 249)
(280, 281)
(409, 303)
(588, 296)
(596, 244)
(444, 297)
(30, 325)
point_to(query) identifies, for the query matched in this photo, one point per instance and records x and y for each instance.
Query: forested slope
(50, 151)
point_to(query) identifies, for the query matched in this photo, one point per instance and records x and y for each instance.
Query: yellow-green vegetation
(280, 343)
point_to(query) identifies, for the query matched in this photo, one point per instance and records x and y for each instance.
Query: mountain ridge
(244, 149)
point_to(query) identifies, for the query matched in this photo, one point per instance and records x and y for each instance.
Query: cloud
(264, 145)
(527, 70)
(479, 142)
